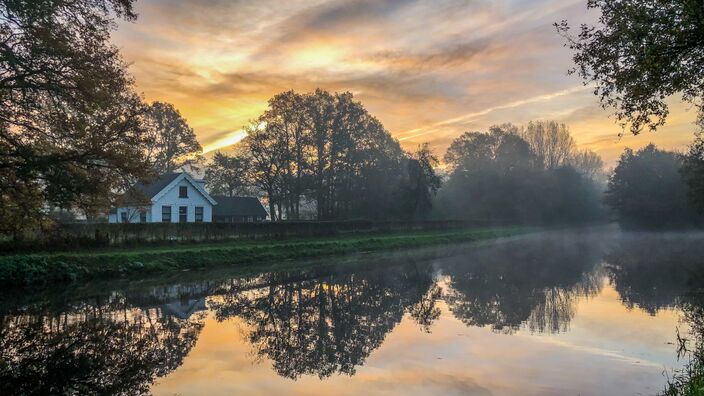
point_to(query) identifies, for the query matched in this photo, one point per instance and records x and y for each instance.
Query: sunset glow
(428, 71)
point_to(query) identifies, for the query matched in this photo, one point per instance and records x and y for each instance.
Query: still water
(565, 313)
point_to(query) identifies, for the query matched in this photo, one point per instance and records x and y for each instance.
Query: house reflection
(329, 319)
(99, 346)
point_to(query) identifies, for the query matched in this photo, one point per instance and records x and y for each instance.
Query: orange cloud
(428, 71)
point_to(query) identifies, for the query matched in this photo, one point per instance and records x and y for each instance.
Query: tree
(71, 130)
(588, 163)
(499, 176)
(647, 190)
(489, 176)
(229, 175)
(327, 148)
(642, 52)
(320, 107)
(693, 173)
(173, 142)
(266, 161)
(423, 183)
(550, 141)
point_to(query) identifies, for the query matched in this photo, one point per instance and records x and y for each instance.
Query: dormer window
(183, 192)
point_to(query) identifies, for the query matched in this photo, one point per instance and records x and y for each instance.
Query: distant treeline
(653, 188)
(522, 175)
(326, 152)
(322, 156)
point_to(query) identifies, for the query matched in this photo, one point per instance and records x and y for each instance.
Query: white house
(170, 198)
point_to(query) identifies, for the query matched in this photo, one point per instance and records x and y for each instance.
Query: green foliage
(647, 190)
(229, 175)
(690, 380)
(422, 184)
(641, 52)
(47, 268)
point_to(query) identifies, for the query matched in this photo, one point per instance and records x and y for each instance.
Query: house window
(123, 217)
(182, 214)
(166, 214)
(142, 216)
(183, 192)
(199, 214)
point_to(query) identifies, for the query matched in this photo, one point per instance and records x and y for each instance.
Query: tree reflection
(652, 271)
(327, 320)
(537, 283)
(94, 347)
(656, 271)
(330, 324)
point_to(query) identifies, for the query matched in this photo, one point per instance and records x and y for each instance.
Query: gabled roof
(154, 187)
(191, 180)
(151, 191)
(238, 206)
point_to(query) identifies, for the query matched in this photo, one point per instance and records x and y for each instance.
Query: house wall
(194, 199)
(172, 199)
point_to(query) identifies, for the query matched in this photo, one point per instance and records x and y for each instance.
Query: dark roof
(155, 186)
(142, 193)
(238, 206)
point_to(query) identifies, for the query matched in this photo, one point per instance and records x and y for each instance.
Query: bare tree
(550, 141)
(588, 163)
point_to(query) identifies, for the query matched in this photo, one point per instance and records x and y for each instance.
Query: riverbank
(27, 269)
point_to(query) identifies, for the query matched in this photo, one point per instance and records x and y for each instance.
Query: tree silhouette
(529, 282)
(329, 324)
(96, 347)
(653, 272)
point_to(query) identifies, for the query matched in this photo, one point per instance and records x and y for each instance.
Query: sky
(429, 70)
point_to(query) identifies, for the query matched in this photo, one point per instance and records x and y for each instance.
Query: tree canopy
(647, 190)
(640, 53)
(327, 149)
(172, 143)
(229, 175)
(499, 175)
(71, 131)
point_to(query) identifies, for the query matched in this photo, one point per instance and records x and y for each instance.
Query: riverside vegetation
(29, 269)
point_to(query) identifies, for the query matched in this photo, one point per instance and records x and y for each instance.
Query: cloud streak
(427, 70)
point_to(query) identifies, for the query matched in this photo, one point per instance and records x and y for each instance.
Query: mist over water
(589, 312)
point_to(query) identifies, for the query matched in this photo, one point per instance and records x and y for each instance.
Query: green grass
(29, 269)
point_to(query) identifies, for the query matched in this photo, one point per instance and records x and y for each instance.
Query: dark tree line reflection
(654, 271)
(532, 282)
(328, 320)
(330, 324)
(102, 346)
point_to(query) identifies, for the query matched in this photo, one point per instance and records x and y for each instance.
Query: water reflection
(329, 319)
(100, 346)
(529, 281)
(329, 324)
(652, 271)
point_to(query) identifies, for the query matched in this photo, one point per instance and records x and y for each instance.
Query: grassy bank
(28, 269)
